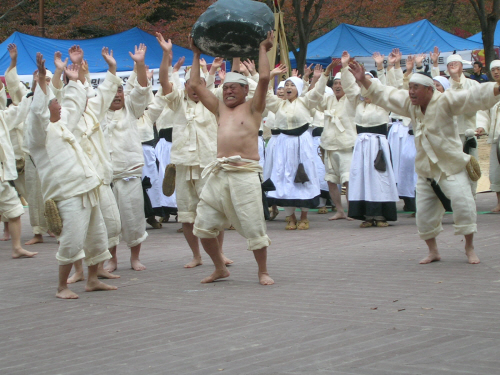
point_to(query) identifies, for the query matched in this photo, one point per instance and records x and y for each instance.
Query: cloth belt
(166, 134)
(379, 129)
(335, 119)
(275, 131)
(446, 202)
(223, 163)
(297, 131)
(317, 132)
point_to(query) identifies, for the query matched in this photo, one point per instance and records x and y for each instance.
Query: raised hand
(203, 65)
(280, 69)
(166, 46)
(179, 64)
(139, 54)
(193, 47)
(345, 58)
(419, 59)
(295, 73)
(12, 48)
(379, 59)
(435, 55)
(244, 70)
(410, 63)
(332, 65)
(250, 64)
(308, 70)
(72, 72)
(357, 71)
(391, 59)
(399, 55)
(217, 63)
(318, 69)
(269, 41)
(40, 64)
(222, 75)
(60, 65)
(76, 54)
(107, 55)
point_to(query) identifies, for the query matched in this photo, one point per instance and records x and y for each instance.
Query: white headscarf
(232, 77)
(422, 79)
(299, 84)
(443, 81)
(495, 64)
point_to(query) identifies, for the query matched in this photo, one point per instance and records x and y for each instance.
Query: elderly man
(440, 163)
(233, 184)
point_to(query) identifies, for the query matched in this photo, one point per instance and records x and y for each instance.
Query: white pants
(494, 169)
(34, 197)
(110, 214)
(150, 170)
(10, 205)
(430, 211)
(130, 200)
(338, 165)
(188, 192)
(84, 232)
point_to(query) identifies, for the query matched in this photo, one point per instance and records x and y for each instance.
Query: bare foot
(103, 274)
(227, 261)
(471, 255)
(66, 294)
(6, 237)
(112, 265)
(37, 238)
(21, 253)
(265, 279)
(340, 215)
(51, 234)
(137, 265)
(93, 286)
(496, 209)
(194, 263)
(215, 276)
(430, 258)
(77, 276)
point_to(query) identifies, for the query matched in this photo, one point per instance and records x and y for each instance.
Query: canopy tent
(413, 38)
(120, 43)
(479, 37)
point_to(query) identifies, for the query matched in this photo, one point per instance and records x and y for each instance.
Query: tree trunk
(488, 40)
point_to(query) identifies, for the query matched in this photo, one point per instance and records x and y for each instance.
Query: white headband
(458, 58)
(422, 79)
(369, 74)
(328, 91)
(338, 75)
(299, 84)
(233, 77)
(281, 85)
(188, 75)
(495, 64)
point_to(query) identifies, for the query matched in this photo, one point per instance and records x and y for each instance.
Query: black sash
(166, 134)
(317, 132)
(439, 193)
(297, 131)
(275, 131)
(261, 133)
(379, 129)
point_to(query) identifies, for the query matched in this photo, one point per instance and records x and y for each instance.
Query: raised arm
(139, 57)
(259, 98)
(208, 99)
(60, 65)
(12, 48)
(166, 61)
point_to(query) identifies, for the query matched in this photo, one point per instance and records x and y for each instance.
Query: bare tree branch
(14, 7)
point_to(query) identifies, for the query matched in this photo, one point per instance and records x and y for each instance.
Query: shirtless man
(233, 186)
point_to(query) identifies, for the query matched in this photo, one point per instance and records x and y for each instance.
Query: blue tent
(479, 37)
(121, 44)
(359, 41)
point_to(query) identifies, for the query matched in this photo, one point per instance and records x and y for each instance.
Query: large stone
(233, 28)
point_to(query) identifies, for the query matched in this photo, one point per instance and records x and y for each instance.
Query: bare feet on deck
(66, 294)
(195, 262)
(432, 257)
(137, 265)
(215, 276)
(112, 265)
(77, 276)
(227, 261)
(103, 274)
(37, 238)
(21, 253)
(93, 286)
(471, 255)
(265, 279)
(340, 215)
(496, 209)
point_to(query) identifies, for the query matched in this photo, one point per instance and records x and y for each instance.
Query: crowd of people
(95, 163)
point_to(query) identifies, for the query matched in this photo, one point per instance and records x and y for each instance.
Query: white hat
(443, 81)
(458, 58)
(495, 64)
(338, 75)
(299, 84)
(233, 77)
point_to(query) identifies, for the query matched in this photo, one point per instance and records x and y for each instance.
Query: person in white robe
(120, 126)
(488, 122)
(69, 178)
(440, 162)
(11, 208)
(372, 192)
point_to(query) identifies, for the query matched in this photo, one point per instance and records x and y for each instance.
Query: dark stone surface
(233, 28)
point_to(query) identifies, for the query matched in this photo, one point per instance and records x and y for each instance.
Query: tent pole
(41, 26)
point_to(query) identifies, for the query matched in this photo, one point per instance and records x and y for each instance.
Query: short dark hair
(479, 63)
